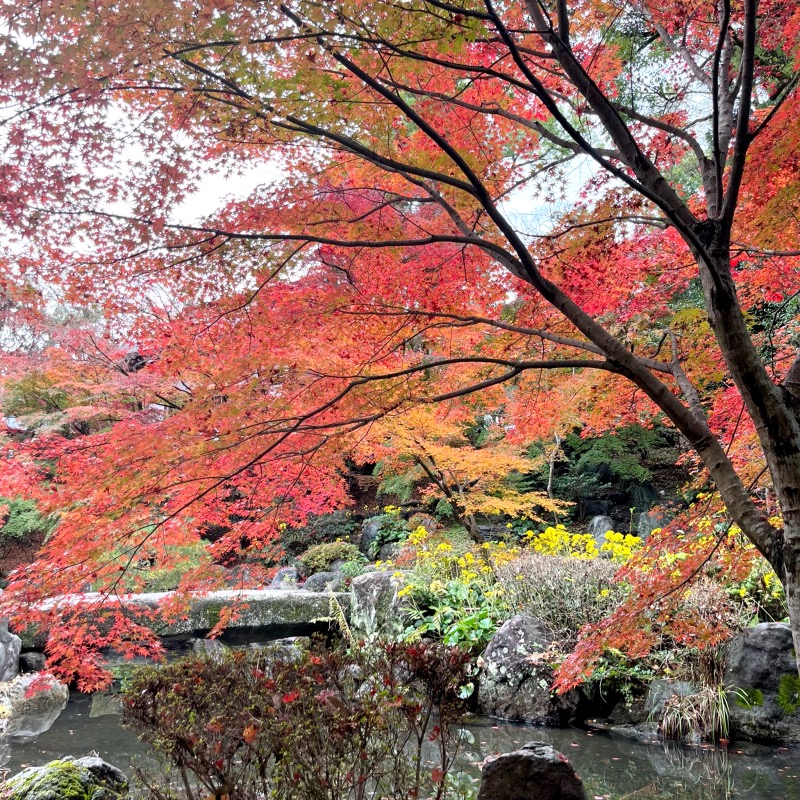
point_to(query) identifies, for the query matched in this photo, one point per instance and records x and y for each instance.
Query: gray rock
(272, 612)
(659, 691)
(290, 649)
(285, 578)
(105, 705)
(32, 662)
(388, 551)
(761, 669)
(599, 526)
(537, 771)
(370, 529)
(10, 645)
(212, 648)
(421, 520)
(648, 521)
(25, 717)
(88, 778)
(323, 582)
(515, 679)
(376, 607)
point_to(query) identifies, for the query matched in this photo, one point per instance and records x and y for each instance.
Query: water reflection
(612, 769)
(620, 768)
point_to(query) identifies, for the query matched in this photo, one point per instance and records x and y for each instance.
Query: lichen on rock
(88, 778)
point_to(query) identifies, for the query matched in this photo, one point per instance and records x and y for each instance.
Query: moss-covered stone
(748, 698)
(67, 779)
(788, 698)
(281, 611)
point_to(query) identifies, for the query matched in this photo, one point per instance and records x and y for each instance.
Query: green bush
(143, 576)
(320, 557)
(21, 519)
(392, 529)
(329, 725)
(21, 522)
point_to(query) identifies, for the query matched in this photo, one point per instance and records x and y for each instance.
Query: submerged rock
(88, 778)
(537, 771)
(25, 717)
(761, 669)
(515, 676)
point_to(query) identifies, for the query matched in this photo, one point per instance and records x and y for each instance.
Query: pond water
(612, 769)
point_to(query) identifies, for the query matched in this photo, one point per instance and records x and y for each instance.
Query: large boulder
(515, 676)
(88, 778)
(285, 578)
(536, 771)
(10, 645)
(30, 704)
(762, 672)
(328, 581)
(598, 527)
(377, 607)
(370, 530)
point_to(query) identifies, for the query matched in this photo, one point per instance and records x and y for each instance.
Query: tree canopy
(559, 212)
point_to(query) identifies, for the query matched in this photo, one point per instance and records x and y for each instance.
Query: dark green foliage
(327, 725)
(400, 486)
(748, 698)
(617, 467)
(788, 698)
(616, 455)
(392, 529)
(324, 528)
(770, 318)
(22, 521)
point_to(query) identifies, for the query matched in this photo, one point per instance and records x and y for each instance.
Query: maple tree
(386, 268)
(463, 477)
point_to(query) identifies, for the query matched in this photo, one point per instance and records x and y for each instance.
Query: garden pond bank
(611, 768)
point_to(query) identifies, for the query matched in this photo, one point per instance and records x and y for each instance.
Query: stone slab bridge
(261, 614)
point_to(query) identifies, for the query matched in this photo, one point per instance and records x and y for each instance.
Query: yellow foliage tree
(438, 454)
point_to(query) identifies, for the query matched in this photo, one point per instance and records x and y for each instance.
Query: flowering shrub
(455, 598)
(558, 541)
(762, 593)
(329, 725)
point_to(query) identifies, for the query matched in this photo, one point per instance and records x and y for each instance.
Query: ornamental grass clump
(329, 725)
(564, 593)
